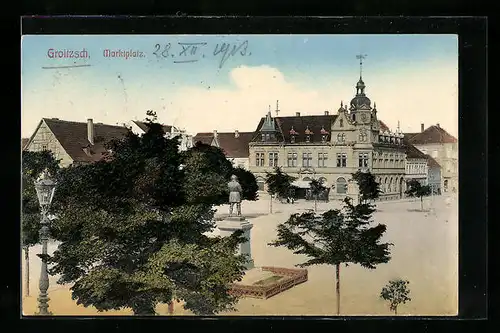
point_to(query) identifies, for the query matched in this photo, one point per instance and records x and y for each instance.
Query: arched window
(341, 185)
(341, 123)
(390, 185)
(306, 179)
(385, 185)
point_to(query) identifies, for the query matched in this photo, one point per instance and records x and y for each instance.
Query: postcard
(239, 175)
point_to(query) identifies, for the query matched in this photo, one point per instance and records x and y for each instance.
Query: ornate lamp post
(45, 189)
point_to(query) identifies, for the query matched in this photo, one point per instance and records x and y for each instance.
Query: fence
(291, 278)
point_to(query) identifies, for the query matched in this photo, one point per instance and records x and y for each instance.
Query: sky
(203, 83)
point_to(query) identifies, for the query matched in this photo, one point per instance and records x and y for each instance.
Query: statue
(235, 193)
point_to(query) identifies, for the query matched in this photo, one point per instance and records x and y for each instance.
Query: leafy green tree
(33, 163)
(336, 237)
(317, 188)
(416, 189)
(369, 188)
(279, 184)
(248, 183)
(211, 161)
(396, 292)
(132, 229)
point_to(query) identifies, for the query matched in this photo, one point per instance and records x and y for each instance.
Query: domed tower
(360, 108)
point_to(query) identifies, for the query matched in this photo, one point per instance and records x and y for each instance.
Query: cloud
(410, 97)
(415, 94)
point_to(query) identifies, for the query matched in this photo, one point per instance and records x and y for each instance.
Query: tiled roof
(205, 138)
(300, 124)
(73, 138)
(412, 151)
(409, 135)
(431, 162)
(24, 142)
(433, 134)
(143, 126)
(383, 126)
(234, 147)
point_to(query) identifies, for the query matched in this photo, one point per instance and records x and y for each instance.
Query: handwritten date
(193, 52)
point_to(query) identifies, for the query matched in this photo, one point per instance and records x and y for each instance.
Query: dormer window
(293, 134)
(308, 134)
(324, 135)
(263, 137)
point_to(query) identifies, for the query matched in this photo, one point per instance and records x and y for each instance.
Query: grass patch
(269, 280)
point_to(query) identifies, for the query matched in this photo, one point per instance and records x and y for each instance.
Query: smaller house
(74, 142)
(434, 178)
(185, 140)
(415, 163)
(234, 144)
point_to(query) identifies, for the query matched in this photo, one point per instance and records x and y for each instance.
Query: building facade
(234, 144)
(416, 164)
(443, 147)
(74, 142)
(331, 148)
(434, 178)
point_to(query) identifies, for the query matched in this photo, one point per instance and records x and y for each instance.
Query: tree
(278, 184)
(369, 188)
(336, 237)
(316, 189)
(33, 163)
(416, 189)
(212, 161)
(248, 183)
(132, 229)
(396, 292)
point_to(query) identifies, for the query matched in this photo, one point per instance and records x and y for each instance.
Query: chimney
(327, 113)
(236, 134)
(421, 127)
(215, 133)
(297, 114)
(90, 131)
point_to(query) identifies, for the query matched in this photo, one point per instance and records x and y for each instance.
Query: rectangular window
(273, 159)
(259, 159)
(263, 137)
(363, 160)
(292, 159)
(45, 146)
(308, 138)
(322, 159)
(307, 159)
(341, 160)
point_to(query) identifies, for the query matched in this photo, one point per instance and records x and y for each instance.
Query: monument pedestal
(231, 224)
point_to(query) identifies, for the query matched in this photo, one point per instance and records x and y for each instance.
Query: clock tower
(360, 109)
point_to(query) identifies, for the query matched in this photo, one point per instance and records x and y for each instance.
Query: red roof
(431, 162)
(73, 138)
(412, 151)
(433, 134)
(234, 146)
(383, 126)
(205, 138)
(142, 125)
(24, 142)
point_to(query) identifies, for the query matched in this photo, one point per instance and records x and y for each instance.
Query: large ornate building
(332, 147)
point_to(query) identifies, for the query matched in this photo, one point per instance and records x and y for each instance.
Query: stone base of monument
(233, 223)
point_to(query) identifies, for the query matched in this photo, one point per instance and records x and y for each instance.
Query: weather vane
(361, 57)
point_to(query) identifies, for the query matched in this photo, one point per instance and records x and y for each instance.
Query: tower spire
(361, 57)
(277, 107)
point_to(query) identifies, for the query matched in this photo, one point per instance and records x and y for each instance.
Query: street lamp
(45, 189)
